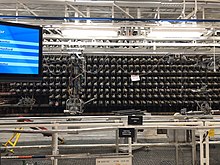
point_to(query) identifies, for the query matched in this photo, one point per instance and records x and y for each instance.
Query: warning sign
(211, 133)
(114, 161)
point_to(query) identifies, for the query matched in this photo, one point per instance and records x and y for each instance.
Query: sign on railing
(114, 161)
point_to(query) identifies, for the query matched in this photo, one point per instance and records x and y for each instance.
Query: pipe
(150, 44)
(214, 60)
(101, 145)
(67, 122)
(193, 148)
(24, 157)
(0, 155)
(196, 9)
(58, 124)
(80, 117)
(55, 150)
(111, 128)
(107, 19)
(114, 125)
(201, 147)
(87, 155)
(117, 141)
(26, 147)
(130, 146)
(176, 147)
(207, 149)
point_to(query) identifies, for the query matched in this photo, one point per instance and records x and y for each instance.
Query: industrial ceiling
(133, 21)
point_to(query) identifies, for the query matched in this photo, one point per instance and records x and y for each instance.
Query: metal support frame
(207, 149)
(66, 14)
(0, 155)
(76, 10)
(202, 128)
(129, 10)
(117, 141)
(207, 144)
(88, 15)
(204, 148)
(124, 11)
(214, 58)
(130, 146)
(196, 9)
(157, 14)
(143, 44)
(150, 7)
(201, 133)
(176, 146)
(25, 7)
(55, 150)
(193, 147)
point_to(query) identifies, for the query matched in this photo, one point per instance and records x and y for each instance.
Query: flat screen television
(20, 52)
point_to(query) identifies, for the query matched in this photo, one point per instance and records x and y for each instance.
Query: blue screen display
(19, 50)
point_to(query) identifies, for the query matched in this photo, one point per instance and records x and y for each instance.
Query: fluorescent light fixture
(176, 32)
(90, 32)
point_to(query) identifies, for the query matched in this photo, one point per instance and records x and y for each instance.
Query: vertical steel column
(139, 17)
(207, 150)
(55, 150)
(135, 135)
(0, 155)
(201, 147)
(207, 144)
(88, 15)
(193, 147)
(214, 61)
(184, 9)
(116, 140)
(66, 14)
(203, 14)
(196, 9)
(76, 15)
(16, 13)
(130, 146)
(113, 12)
(176, 146)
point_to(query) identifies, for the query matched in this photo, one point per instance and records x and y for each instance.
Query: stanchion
(55, 150)
(117, 141)
(193, 147)
(0, 155)
(130, 146)
(176, 146)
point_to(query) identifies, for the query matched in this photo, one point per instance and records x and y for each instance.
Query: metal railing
(201, 127)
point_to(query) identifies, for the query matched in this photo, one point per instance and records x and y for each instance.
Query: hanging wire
(214, 57)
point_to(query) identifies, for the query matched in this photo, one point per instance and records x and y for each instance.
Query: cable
(154, 67)
(99, 69)
(27, 101)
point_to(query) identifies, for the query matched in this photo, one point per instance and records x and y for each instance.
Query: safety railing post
(0, 155)
(117, 140)
(193, 147)
(130, 146)
(55, 150)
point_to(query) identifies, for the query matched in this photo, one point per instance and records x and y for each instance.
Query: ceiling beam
(28, 9)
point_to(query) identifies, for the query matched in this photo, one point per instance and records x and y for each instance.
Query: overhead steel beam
(76, 10)
(123, 11)
(29, 10)
(171, 44)
(196, 9)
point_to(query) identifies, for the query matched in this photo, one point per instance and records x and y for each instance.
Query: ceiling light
(88, 32)
(176, 32)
